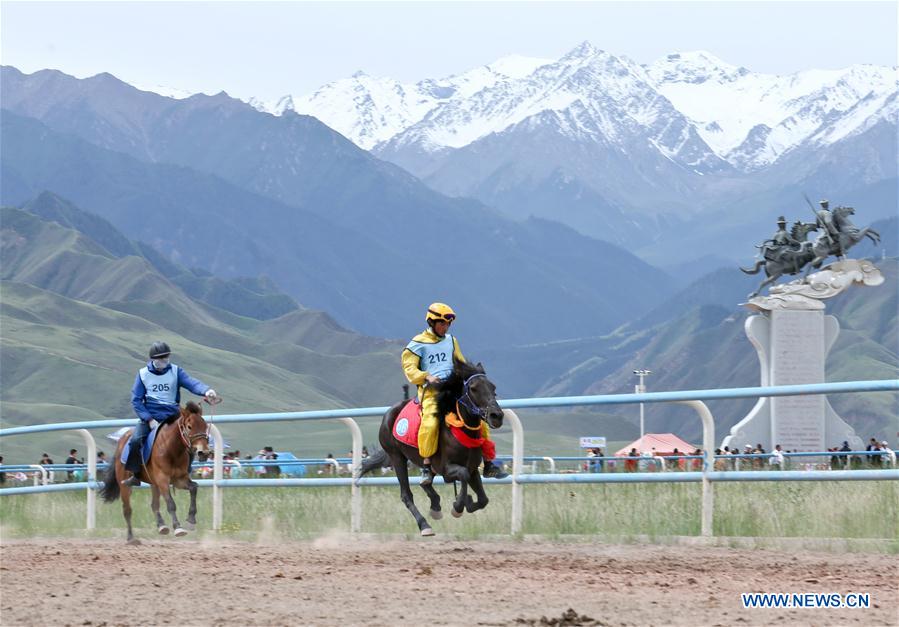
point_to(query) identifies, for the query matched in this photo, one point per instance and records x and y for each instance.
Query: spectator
(872, 449)
(835, 462)
(888, 455)
(46, 461)
(2, 474)
(330, 465)
(777, 458)
(697, 463)
(364, 452)
(630, 465)
(72, 459)
(101, 457)
(272, 471)
(599, 463)
(720, 463)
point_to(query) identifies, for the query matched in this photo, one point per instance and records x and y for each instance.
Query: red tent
(663, 443)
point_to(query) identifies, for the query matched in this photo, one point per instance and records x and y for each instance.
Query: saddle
(148, 443)
(408, 422)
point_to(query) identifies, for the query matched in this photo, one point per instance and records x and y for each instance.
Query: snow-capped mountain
(745, 118)
(370, 110)
(752, 119)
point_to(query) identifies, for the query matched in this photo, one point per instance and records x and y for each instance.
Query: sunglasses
(444, 317)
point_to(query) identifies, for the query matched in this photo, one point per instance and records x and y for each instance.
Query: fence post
(355, 493)
(708, 457)
(217, 476)
(91, 478)
(517, 463)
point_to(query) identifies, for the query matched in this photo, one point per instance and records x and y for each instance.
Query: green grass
(851, 510)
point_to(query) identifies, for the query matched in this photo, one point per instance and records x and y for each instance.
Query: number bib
(162, 388)
(435, 359)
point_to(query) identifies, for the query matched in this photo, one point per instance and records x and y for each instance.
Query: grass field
(807, 510)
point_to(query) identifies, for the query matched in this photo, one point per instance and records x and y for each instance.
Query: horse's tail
(110, 490)
(755, 270)
(378, 459)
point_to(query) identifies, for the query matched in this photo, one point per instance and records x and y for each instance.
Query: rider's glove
(211, 395)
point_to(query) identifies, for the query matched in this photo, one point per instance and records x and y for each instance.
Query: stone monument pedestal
(792, 336)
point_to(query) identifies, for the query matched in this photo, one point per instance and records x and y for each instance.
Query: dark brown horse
(168, 466)
(472, 396)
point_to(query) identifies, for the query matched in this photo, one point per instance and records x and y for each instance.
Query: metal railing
(692, 398)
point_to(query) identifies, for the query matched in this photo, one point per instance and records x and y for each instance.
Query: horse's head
(842, 211)
(194, 430)
(801, 230)
(469, 386)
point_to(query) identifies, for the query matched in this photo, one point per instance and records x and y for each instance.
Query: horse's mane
(193, 407)
(450, 389)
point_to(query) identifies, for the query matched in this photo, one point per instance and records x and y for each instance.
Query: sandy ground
(340, 580)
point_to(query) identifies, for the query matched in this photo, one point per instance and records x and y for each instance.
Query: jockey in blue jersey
(156, 395)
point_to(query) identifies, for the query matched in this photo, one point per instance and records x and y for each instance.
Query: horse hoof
(134, 542)
(435, 514)
(180, 531)
(427, 532)
(456, 514)
(163, 530)
(190, 526)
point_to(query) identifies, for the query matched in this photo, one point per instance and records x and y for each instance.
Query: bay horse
(176, 442)
(470, 395)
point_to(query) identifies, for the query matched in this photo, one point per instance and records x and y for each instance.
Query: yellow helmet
(440, 312)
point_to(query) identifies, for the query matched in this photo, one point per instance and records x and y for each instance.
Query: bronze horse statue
(169, 465)
(787, 262)
(470, 395)
(848, 235)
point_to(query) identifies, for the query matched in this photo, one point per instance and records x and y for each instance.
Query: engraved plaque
(797, 357)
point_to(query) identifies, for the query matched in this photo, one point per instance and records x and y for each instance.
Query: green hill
(77, 319)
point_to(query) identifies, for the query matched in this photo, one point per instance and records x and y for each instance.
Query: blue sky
(269, 49)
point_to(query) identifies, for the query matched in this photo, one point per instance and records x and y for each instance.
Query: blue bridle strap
(465, 399)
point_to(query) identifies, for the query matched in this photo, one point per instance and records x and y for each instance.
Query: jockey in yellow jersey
(427, 360)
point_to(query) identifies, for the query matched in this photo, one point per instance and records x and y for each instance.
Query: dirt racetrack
(339, 580)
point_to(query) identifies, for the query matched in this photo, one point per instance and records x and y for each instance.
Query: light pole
(640, 389)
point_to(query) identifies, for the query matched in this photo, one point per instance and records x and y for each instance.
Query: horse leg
(455, 472)
(184, 482)
(478, 486)
(126, 511)
(161, 527)
(435, 512)
(192, 510)
(166, 488)
(400, 465)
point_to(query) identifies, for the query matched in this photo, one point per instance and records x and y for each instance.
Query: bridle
(466, 401)
(186, 437)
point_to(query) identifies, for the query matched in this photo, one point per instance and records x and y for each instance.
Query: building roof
(663, 443)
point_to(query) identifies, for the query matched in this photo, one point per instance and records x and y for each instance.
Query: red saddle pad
(405, 427)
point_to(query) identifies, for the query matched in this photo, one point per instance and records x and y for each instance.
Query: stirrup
(427, 475)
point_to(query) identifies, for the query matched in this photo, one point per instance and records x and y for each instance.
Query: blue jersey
(157, 395)
(435, 358)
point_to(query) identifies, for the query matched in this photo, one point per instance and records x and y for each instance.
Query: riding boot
(427, 475)
(133, 464)
(494, 471)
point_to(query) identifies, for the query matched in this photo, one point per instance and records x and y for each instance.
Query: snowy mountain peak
(693, 67)
(582, 51)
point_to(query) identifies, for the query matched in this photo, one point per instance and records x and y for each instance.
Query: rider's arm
(194, 385)
(457, 352)
(411, 362)
(138, 393)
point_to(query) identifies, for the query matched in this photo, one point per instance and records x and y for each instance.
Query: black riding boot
(134, 464)
(494, 471)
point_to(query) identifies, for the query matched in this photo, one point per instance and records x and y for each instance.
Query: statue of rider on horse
(790, 253)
